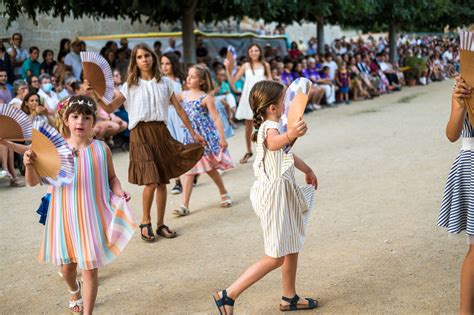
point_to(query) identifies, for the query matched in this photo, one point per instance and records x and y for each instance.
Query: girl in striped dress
(457, 207)
(276, 199)
(88, 222)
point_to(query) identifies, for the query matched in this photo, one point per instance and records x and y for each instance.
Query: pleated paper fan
(54, 158)
(295, 101)
(14, 124)
(232, 57)
(467, 68)
(98, 72)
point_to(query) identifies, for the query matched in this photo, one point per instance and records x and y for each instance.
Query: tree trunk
(189, 39)
(392, 38)
(320, 34)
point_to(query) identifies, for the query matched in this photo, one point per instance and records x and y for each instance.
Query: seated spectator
(33, 84)
(48, 64)
(8, 166)
(287, 74)
(49, 98)
(5, 88)
(332, 66)
(17, 54)
(294, 53)
(34, 109)
(388, 70)
(20, 89)
(109, 55)
(31, 66)
(72, 61)
(359, 89)
(322, 87)
(328, 84)
(5, 63)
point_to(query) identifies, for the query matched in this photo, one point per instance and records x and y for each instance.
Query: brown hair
(24, 104)
(205, 76)
(134, 72)
(260, 59)
(80, 104)
(262, 95)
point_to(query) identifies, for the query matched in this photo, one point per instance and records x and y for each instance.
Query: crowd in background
(349, 70)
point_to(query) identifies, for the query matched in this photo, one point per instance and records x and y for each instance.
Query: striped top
(86, 224)
(282, 206)
(457, 206)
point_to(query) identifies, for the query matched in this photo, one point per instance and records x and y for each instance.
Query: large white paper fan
(98, 72)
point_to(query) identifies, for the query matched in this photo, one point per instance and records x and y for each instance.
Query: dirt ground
(372, 243)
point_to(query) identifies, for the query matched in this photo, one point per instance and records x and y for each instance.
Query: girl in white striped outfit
(277, 200)
(457, 208)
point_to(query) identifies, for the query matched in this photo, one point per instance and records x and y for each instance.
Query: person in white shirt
(46, 93)
(171, 45)
(20, 89)
(17, 54)
(73, 60)
(332, 65)
(448, 55)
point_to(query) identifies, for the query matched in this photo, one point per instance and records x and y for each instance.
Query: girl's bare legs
(217, 179)
(69, 272)
(288, 273)
(89, 291)
(467, 283)
(187, 181)
(248, 140)
(161, 197)
(254, 273)
(147, 200)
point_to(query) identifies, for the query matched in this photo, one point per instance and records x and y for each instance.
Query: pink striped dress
(87, 224)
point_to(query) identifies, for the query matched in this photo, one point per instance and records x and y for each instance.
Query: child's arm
(310, 177)
(182, 114)
(18, 148)
(31, 177)
(237, 76)
(268, 71)
(276, 141)
(209, 102)
(458, 110)
(114, 182)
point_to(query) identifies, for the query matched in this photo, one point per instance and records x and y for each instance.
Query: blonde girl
(204, 118)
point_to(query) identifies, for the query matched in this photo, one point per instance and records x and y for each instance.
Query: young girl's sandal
(294, 306)
(221, 302)
(165, 232)
(150, 237)
(76, 306)
(227, 202)
(181, 211)
(246, 157)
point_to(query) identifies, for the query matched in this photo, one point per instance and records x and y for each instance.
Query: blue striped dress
(457, 207)
(282, 206)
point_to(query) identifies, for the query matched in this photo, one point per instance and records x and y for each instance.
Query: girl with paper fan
(155, 157)
(281, 205)
(457, 207)
(88, 222)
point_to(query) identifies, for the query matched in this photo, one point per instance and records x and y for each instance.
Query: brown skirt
(155, 157)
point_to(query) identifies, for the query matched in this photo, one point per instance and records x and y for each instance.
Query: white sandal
(227, 202)
(77, 304)
(181, 211)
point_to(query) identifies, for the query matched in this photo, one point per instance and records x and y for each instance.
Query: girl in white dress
(255, 70)
(277, 200)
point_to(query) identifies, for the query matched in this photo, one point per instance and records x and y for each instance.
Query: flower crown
(66, 103)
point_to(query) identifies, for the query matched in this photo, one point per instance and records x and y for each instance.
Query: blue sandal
(294, 306)
(221, 302)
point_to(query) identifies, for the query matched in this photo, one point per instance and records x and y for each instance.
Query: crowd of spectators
(349, 70)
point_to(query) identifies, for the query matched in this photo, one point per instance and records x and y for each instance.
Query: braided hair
(263, 95)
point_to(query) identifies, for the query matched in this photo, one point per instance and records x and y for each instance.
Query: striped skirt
(457, 207)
